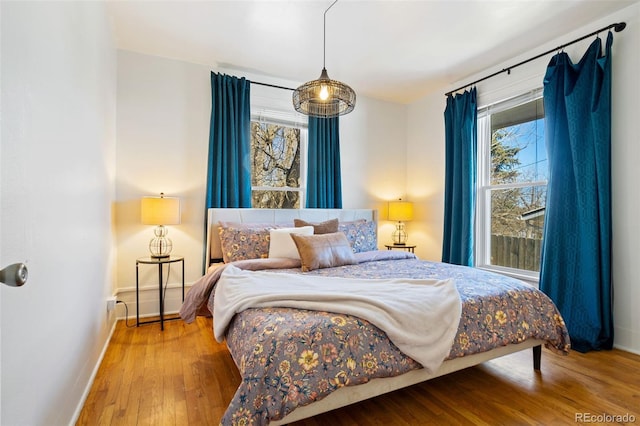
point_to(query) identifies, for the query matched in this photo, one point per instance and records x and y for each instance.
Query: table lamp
(400, 211)
(160, 211)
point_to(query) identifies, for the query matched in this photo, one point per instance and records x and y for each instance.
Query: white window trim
(482, 247)
(520, 274)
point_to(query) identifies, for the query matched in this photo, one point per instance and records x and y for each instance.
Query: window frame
(282, 119)
(484, 188)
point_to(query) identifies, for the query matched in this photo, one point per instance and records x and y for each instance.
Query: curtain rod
(617, 27)
(272, 85)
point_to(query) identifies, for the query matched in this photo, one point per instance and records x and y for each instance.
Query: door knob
(14, 275)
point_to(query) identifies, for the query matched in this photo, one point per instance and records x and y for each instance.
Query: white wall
(625, 178)
(57, 185)
(163, 109)
(425, 169)
(163, 113)
(425, 156)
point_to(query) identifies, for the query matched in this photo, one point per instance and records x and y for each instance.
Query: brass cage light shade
(324, 98)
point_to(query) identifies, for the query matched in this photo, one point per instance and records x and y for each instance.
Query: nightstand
(404, 247)
(160, 261)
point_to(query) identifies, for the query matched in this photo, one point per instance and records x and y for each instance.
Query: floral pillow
(362, 235)
(241, 241)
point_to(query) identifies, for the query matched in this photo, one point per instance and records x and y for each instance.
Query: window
(276, 168)
(512, 185)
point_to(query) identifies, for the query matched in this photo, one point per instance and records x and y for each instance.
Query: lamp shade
(400, 210)
(160, 210)
(324, 98)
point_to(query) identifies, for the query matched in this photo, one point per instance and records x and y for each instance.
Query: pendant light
(324, 98)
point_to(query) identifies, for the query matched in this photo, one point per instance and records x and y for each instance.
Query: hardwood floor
(182, 376)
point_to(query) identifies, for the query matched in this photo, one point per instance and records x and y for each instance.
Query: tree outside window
(275, 166)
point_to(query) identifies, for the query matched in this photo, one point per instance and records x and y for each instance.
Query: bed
(299, 358)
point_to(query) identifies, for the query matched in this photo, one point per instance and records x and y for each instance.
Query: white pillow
(281, 244)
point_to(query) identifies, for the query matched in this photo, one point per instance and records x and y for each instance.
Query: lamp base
(160, 246)
(399, 235)
(160, 256)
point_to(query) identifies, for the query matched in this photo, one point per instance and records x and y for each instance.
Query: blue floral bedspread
(289, 358)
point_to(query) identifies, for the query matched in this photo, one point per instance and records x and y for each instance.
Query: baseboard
(626, 339)
(149, 300)
(626, 349)
(92, 378)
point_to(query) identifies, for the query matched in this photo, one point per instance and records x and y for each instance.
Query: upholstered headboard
(276, 216)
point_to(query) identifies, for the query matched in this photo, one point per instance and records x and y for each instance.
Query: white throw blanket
(419, 316)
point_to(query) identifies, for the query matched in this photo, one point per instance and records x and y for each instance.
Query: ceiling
(394, 50)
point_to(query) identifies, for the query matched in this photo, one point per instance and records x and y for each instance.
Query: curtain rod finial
(620, 26)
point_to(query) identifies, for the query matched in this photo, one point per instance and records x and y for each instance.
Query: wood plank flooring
(182, 376)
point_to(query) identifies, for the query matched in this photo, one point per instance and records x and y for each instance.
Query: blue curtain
(461, 123)
(576, 251)
(229, 166)
(324, 184)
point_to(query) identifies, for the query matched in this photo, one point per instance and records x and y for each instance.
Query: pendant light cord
(324, 36)
(323, 97)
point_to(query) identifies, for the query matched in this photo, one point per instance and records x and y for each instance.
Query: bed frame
(349, 394)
